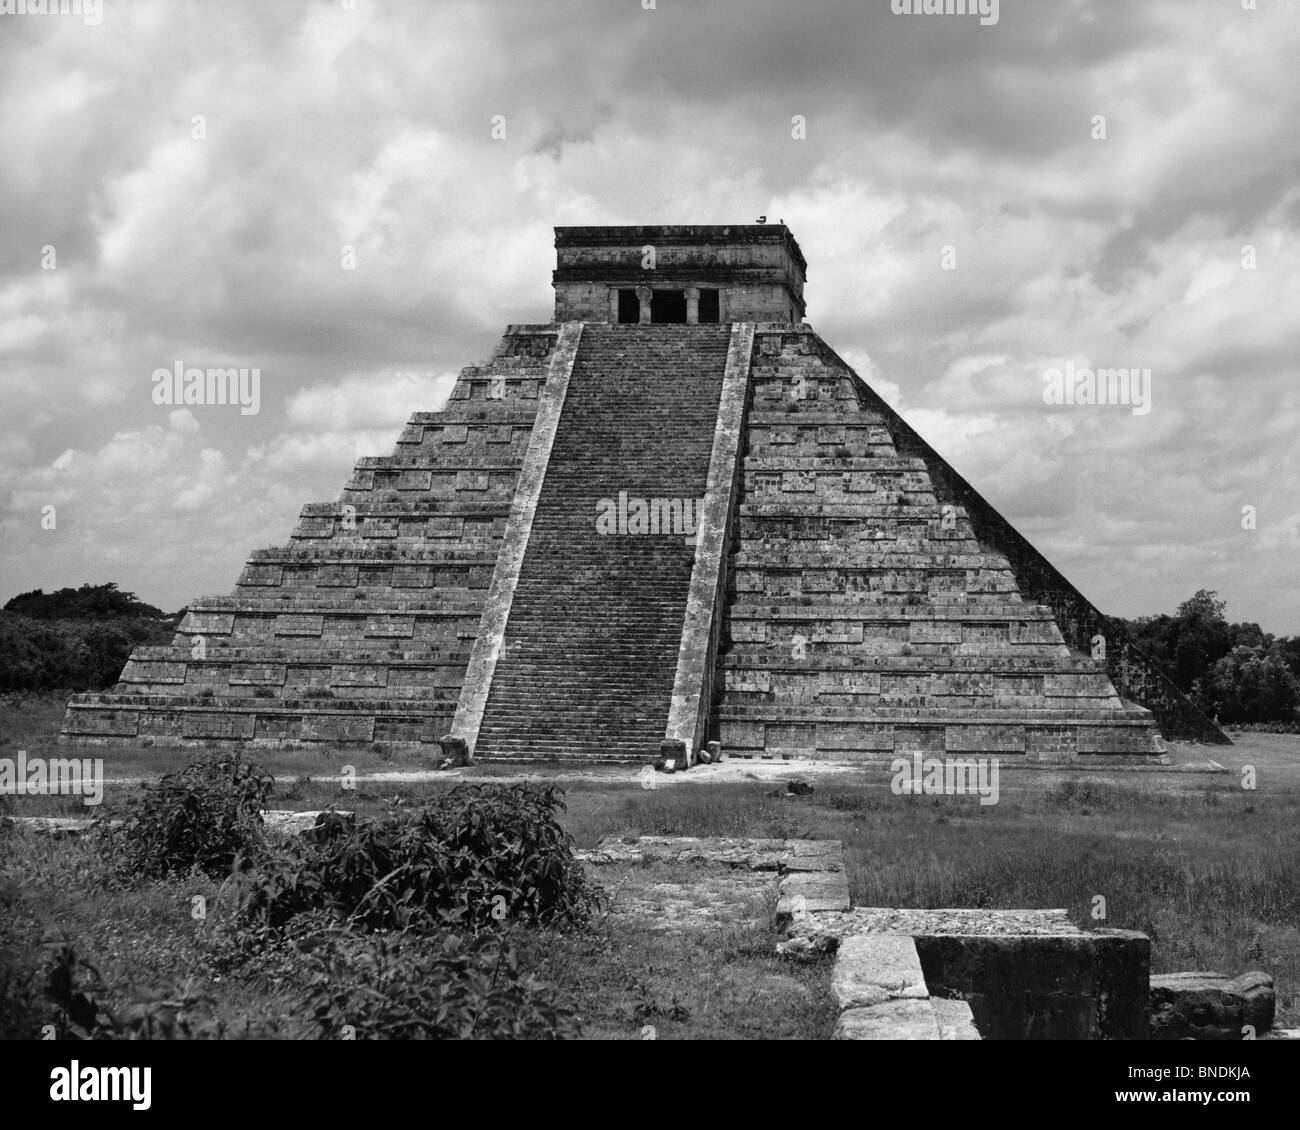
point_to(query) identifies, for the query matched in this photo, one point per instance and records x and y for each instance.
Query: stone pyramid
(672, 515)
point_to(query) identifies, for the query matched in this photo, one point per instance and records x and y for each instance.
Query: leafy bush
(475, 856)
(386, 986)
(205, 816)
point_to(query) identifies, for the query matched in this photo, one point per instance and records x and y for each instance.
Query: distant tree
(1205, 605)
(1250, 684)
(1288, 647)
(89, 602)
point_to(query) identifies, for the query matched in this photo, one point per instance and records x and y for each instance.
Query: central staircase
(591, 645)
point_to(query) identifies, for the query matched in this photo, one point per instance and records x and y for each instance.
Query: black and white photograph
(650, 520)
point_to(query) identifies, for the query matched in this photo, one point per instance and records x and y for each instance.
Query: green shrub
(475, 856)
(385, 986)
(204, 817)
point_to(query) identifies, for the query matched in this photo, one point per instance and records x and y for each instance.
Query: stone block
(891, 1020)
(955, 1019)
(454, 749)
(1211, 1006)
(1069, 986)
(873, 968)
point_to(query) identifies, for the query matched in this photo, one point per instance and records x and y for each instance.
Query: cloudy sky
(197, 169)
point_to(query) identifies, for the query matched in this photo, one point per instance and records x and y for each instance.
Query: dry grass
(1209, 870)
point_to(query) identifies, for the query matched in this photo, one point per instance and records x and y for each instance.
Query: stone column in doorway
(643, 296)
(692, 305)
(613, 305)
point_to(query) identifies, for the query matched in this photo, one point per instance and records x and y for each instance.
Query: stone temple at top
(673, 515)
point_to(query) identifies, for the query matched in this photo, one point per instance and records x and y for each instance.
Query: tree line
(1236, 673)
(75, 639)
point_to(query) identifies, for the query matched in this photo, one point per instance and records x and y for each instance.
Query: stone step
(596, 619)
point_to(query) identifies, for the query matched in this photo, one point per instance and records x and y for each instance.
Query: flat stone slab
(286, 822)
(892, 1020)
(872, 969)
(53, 825)
(806, 895)
(276, 820)
(748, 854)
(814, 855)
(975, 923)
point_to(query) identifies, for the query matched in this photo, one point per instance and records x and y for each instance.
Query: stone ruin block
(1051, 742)
(748, 631)
(747, 680)
(381, 527)
(919, 739)
(257, 674)
(137, 671)
(103, 722)
(260, 575)
(1211, 1006)
(208, 623)
(863, 737)
(934, 631)
(277, 728)
(314, 526)
(984, 739)
(298, 624)
(390, 627)
(848, 683)
(338, 728)
(217, 726)
(1074, 986)
(790, 737)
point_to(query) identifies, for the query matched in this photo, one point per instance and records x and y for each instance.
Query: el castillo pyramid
(670, 516)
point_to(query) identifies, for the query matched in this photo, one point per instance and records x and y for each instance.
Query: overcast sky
(326, 126)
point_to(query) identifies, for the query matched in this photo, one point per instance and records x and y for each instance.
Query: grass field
(1209, 869)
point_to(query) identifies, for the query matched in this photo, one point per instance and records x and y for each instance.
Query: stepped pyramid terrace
(672, 515)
